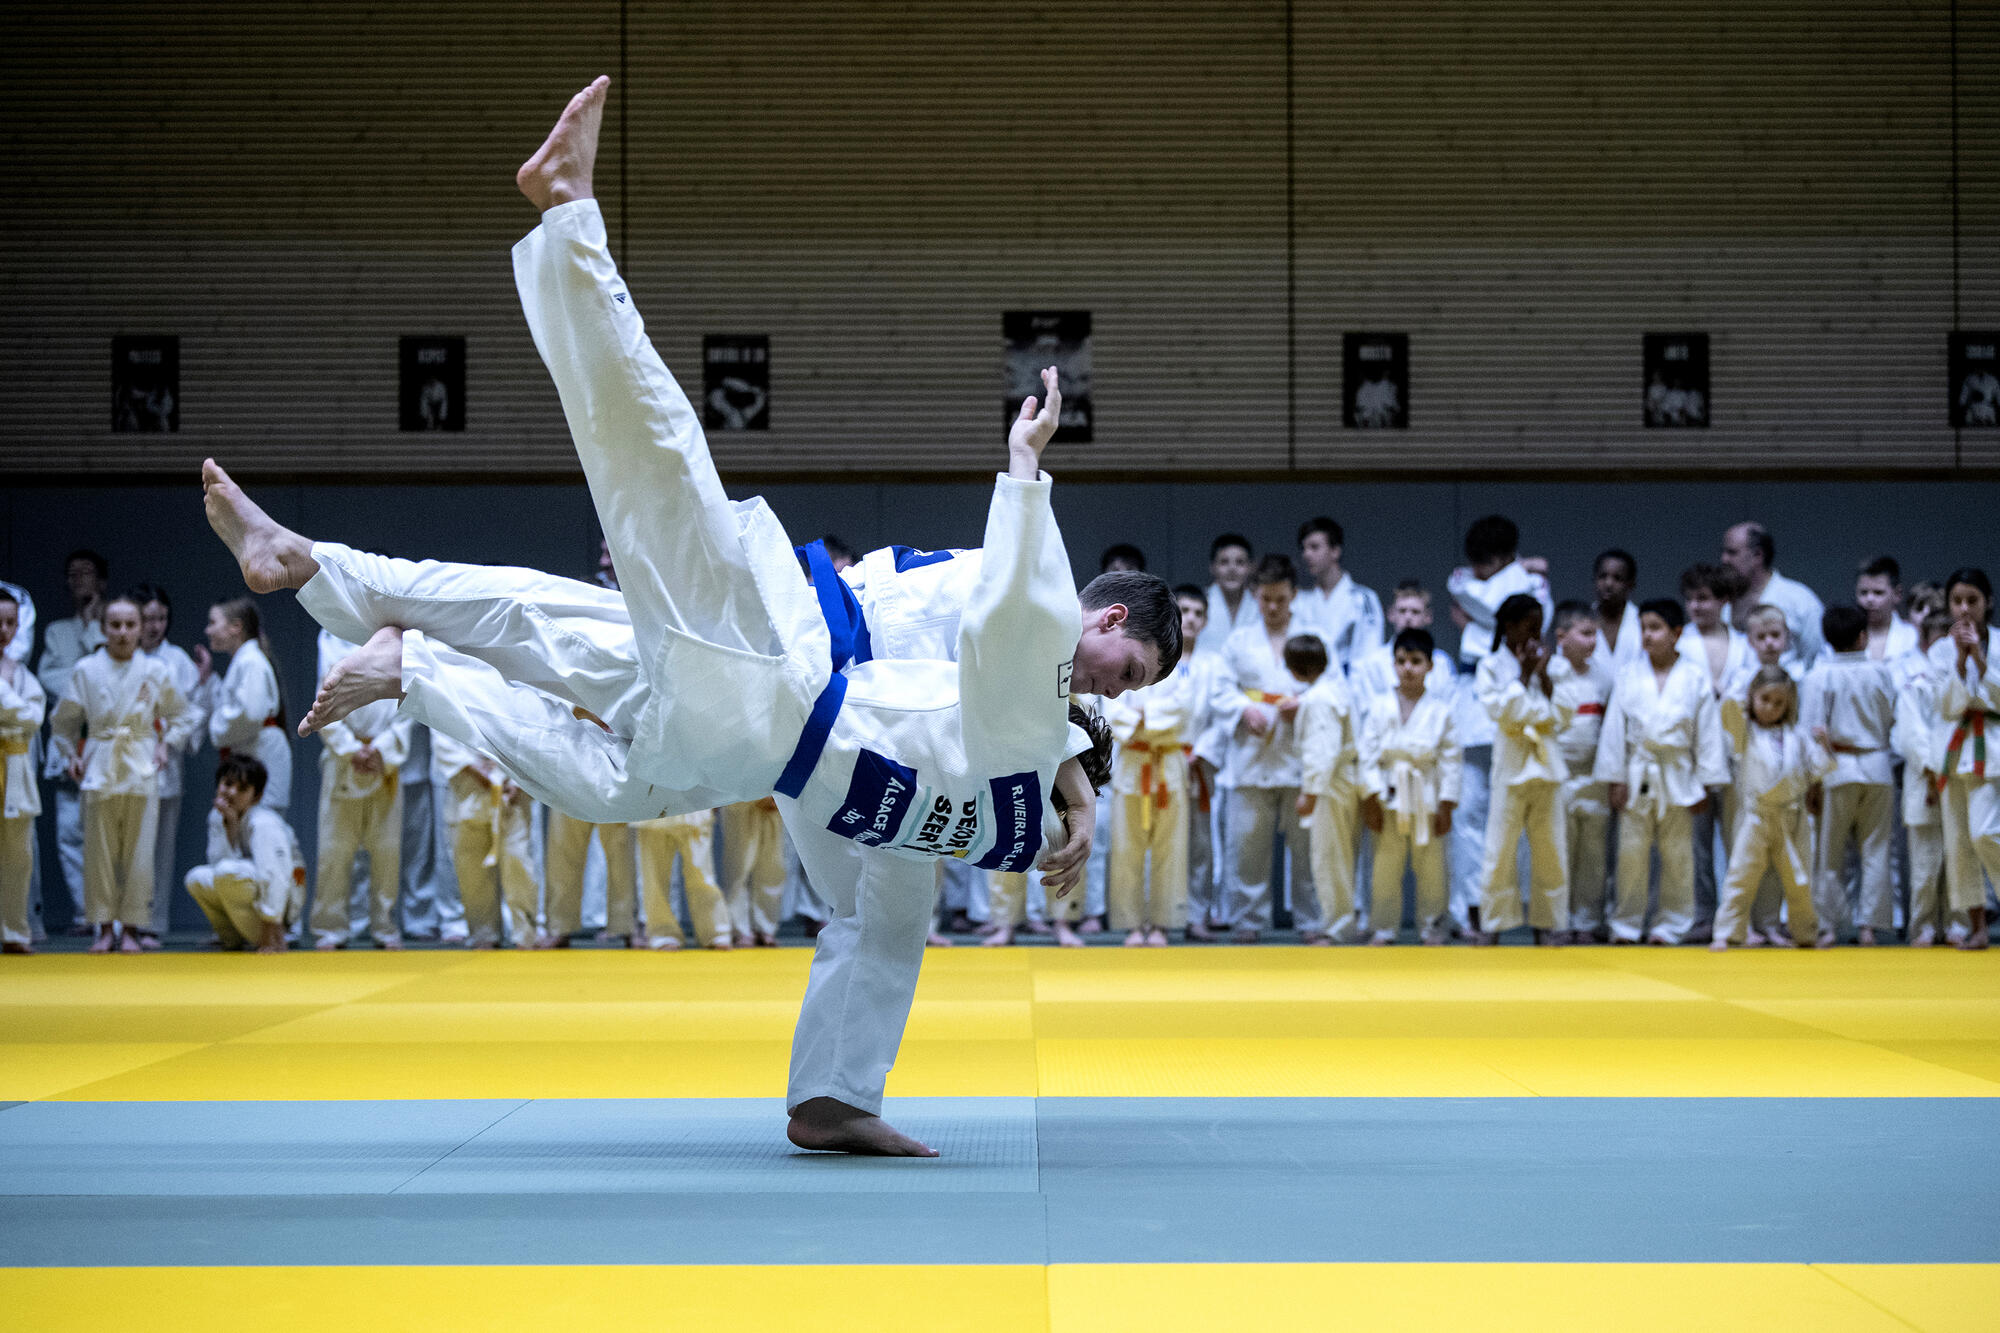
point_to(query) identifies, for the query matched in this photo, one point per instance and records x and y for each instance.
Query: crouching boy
(254, 885)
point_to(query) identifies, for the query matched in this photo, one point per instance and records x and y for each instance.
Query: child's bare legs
(270, 555)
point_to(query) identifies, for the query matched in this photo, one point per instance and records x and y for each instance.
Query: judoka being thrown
(724, 675)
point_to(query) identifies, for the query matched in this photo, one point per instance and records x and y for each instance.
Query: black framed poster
(1375, 381)
(1036, 340)
(146, 384)
(1975, 381)
(1676, 392)
(736, 381)
(432, 389)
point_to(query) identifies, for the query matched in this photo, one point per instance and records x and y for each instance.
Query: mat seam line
(1864, 1297)
(481, 1132)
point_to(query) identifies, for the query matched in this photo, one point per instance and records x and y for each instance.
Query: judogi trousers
(568, 853)
(1761, 851)
(1533, 808)
(753, 867)
(1639, 833)
(507, 885)
(1333, 839)
(1258, 818)
(347, 824)
(1859, 813)
(1142, 830)
(119, 833)
(1929, 909)
(1396, 851)
(1970, 813)
(694, 845)
(1468, 832)
(1007, 899)
(70, 852)
(226, 893)
(1586, 846)
(166, 841)
(17, 863)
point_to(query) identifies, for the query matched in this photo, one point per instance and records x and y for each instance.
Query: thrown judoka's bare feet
(270, 555)
(826, 1125)
(372, 671)
(559, 172)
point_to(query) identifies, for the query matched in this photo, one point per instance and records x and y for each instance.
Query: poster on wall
(146, 384)
(1375, 381)
(1975, 381)
(1676, 392)
(1037, 339)
(432, 389)
(736, 381)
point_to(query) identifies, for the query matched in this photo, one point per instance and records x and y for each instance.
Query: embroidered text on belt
(1971, 724)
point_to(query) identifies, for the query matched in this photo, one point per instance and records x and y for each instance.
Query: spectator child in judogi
(66, 642)
(253, 885)
(753, 871)
(491, 846)
(1770, 638)
(1514, 688)
(117, 719)
(22, 705)
(360, 809)
(246, 707)
(155, 619)
(1968, 697)
(1346, 616)
(1206, 747)
(1374, 672)
(1778, 761)
(566, 856)
(1661, 752)
(1329, 803)
(1231, 604)
(1582, 692)
(1614, 574)
(1151, 806)
(690, 839)
(1725, 654)
(1848, 704)
(1878, 591)
(1409, 763)
(1916, 721)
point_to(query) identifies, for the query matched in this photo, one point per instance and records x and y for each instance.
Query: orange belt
(1972, 724)
(1197, 779)
(1147, 788)
(1264, 697)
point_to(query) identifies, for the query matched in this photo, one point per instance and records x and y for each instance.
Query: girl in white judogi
(1329, 804)
(491, 845)
(1147, 880)
(1913, 738)
(253, 886)
(1513, 686)
(1410, 764)
(1582, 686)
(246, 708)
(1661, 752)
(155, 619)
(118, 716)
(1777, 762)
(22, 705)
(1967, 664)
(360, 808)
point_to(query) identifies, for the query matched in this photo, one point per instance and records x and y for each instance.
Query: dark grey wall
(1394, 530)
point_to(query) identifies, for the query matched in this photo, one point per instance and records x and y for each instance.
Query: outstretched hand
(1033, 430)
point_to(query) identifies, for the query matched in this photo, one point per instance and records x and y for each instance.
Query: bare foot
(271, 556)
(1156, 938)
(1136, 939)
(721, 944)
(663, 943)
(826, 1125)
(743, 939)
(1486, 939)
(389, 943)
(1865, 937)
(1382, 937)
(129, 943)
(766, 940)
(999, 939)
(1718, 945)
(149, 942)
(372, 671)
(1433, 939)
(937, 941)
(1924, 939)
(1755, 941)
(1090, 925)
(1243, 936)
(1976, 938)
(104, 941)
(1197, 933)
(559, 172)
(1067, 938)
(328, 943)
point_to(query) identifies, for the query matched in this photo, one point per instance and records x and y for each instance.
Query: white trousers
(347, 825)
(70, 854)
(1768, 845)
(1639, 834)
(1586, 819)
(1860, 814)
(1533, 808)
(568, 853)
(1333, 839)
(430, 888)
(1468, 832)
(119, 833)
(226, 893)
(1144, 832)
(166, 842)
(753, 867)
(1258, 818)
(1970, 813)
(1395, 852)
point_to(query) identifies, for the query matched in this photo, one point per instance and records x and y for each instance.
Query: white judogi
(1374, 673)
(65, 643)
(1803, 610)
(1663, 741)
(1205, 743)
(187, 677)
(1715, 827)
(1582, 698)
(1329, 772)
(912, 601)
(491, 847)
(1854, 699)
(566, 854)
(259, 878)
(1738, 663)
(1264, 788)
(1150, 806)
(1913, 739)
(359, 811)
(1412, 766)
(689, 839)
(1629, 649)
(1526, 780)
(1892, 644)
(1480, 599)
(22, 705)
(245, 713)
(129, 710)
(1775, 766)
(1347, 618)
(753, 866)
(1221, 623)
(1970, 803)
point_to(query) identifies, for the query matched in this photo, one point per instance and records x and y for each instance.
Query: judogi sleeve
(66, 723)
(1451, 761)
(178, 717)
(271, 853)
(245, 699)
(1319, 743)
(22, 703)
(1017, 640)
(1610, 765)
(1368, 749)
(219, 849)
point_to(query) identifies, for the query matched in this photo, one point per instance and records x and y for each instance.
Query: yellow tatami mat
(1406, 1022)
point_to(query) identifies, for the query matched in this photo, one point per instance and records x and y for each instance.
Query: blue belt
(847, 633)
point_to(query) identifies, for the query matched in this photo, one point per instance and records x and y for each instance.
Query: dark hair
(97, 562)
(1725, 583)
(126, 598)
(1623, 557)
(243, 611)
(1569, 612)
(1194, 590)
(1490, 538)
(1305, 656)
(1275, 568)
(1760, 537)
(836, 549)
(1326, 528)
(1667, 609)
(1971, 578)
(1152, 614)
(1413, 641)
(1229, 539)
(1125, 551)
(143, 593)
(1517, 609)
(1096, 761)
(245, 771)
(1842, 627)
(1882, 567)
(7, 595)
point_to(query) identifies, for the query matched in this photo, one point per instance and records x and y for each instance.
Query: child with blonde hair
(1777, 764)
